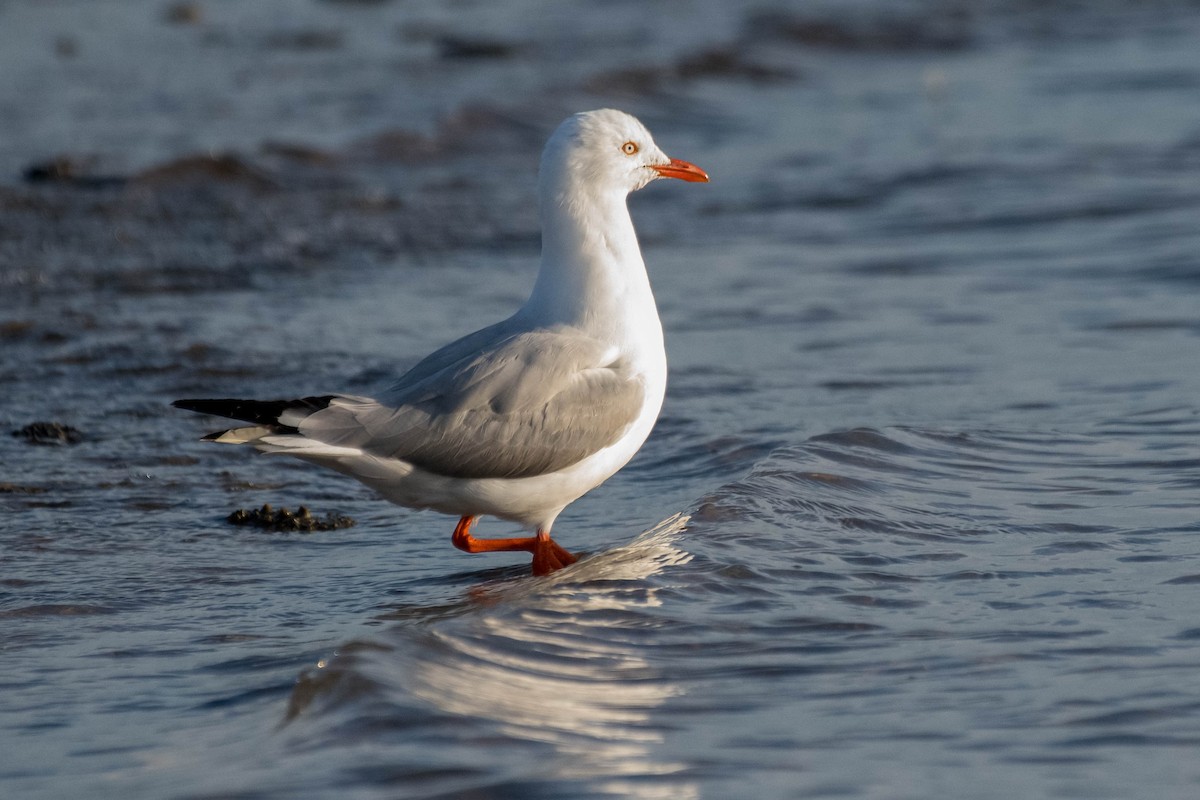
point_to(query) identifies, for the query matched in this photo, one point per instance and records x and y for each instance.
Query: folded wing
(535, 402)
(530, 403)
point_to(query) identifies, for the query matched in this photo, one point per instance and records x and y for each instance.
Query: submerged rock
(48, 433)
(283, 520)
(715, 64)
(460, 47)
(16, 488)
(183, 13)
(207, 169)
(888, 32)
(70, 171)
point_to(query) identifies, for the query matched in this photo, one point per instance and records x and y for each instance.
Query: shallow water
(920, 517)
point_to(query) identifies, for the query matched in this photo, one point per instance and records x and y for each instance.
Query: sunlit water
(921, 517)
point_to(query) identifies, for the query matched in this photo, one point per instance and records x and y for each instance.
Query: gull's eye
(629, 148)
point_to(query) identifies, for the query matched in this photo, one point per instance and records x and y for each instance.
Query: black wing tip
(261, 412)
(220, 407)
(189, 404)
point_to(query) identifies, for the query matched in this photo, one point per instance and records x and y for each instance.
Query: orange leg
(547, 555)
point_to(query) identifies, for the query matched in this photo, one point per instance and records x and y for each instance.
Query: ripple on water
(866, 585)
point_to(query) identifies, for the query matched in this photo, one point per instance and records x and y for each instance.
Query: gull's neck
(592, 275)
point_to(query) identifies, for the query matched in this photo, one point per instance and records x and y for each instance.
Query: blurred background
(919, 518)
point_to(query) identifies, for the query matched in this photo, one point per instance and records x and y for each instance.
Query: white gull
(523, 417)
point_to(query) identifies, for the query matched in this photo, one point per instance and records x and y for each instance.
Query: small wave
(558, 662)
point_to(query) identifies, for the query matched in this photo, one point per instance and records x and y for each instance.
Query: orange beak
(682, 170)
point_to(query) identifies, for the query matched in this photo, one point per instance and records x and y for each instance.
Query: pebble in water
(301, 520)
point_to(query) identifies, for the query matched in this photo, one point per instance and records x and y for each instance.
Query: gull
(523, 417)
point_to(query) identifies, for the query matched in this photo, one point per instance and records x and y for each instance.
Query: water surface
(919, 519)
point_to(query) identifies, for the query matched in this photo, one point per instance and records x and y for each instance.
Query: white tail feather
(242, 435)
(293, 445)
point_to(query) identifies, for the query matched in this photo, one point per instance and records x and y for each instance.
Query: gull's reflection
(561, 661)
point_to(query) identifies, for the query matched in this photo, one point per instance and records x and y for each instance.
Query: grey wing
(534, 402)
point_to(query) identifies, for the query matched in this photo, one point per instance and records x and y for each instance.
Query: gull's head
(609, 150)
